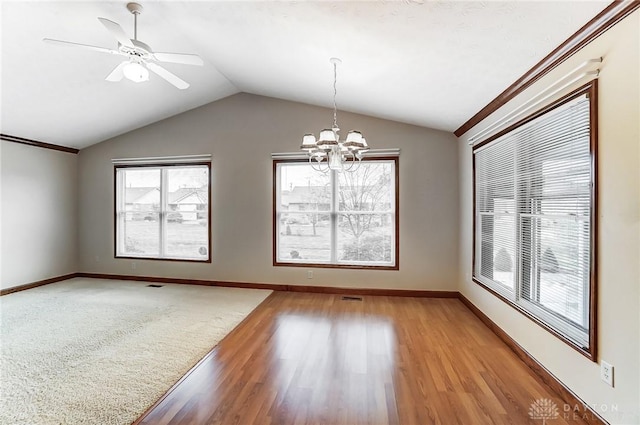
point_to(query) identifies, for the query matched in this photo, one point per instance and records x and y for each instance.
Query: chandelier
(328, 152)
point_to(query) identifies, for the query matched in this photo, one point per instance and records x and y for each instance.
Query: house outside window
(334, 219)
(162, 211)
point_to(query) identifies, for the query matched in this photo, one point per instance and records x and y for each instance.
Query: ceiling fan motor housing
(141, 50)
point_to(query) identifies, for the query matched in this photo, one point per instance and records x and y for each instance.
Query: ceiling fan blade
(171, 78)
(117, 31)
(84, 46)
(117, 73)
(183, 58)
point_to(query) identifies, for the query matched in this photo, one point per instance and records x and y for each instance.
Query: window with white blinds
(534, 212)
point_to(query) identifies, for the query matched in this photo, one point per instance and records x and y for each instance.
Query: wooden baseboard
(281, 287)
(36, 284)
(586, 413)
(373, 291)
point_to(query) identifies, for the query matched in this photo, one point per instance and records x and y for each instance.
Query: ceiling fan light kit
(140, 57)
(135, 72)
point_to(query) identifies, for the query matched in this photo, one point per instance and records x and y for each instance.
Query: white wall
(618, 256)
(39, 214)
(241, 132)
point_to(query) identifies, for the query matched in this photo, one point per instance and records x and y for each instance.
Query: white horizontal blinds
(533, 217)
(554, 201)
(496, 216)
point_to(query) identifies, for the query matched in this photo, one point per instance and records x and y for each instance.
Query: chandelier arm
(346, 160)
(316, 165)
(356, 165)
(353, 161)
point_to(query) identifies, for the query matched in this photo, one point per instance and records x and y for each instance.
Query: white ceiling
(433, 63)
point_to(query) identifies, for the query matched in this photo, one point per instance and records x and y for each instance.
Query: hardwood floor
(317, 359)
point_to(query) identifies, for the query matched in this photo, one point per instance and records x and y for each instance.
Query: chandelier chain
(335, 92)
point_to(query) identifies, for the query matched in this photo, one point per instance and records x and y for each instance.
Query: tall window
(336, 219)
(534, 217)
(162, 212)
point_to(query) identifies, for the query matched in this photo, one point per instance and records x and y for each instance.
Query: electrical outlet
(309, 274)
(97, 258)
(606, 372)
(133, 265)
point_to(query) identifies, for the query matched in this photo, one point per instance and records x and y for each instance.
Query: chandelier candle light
(329, 152)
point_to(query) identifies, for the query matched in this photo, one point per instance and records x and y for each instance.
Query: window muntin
(162, 212)
(534, 213)
(336, 219)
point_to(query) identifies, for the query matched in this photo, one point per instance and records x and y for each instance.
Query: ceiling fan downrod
(135, 9)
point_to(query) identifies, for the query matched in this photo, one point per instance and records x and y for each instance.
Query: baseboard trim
(372, 291)
(281, 287)
(592, 418)
(26, 286)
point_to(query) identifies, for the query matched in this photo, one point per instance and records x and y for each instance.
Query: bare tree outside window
(365, 202)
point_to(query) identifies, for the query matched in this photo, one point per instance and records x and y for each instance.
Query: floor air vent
(348, 298)
(154, 286)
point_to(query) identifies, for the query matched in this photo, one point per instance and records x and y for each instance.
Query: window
(162, 211)
(334, 219)
(534, 217)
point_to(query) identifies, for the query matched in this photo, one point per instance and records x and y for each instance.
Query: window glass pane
(140, 230)
(365, 237)
(497, 249)
(187, 216)
(187, 238)
(370, 188)
(496, 215)
(559, 276)
(304, 189)
(304, 237)
(141, 233)
(142, 192)
(162, 211)
(310, 228)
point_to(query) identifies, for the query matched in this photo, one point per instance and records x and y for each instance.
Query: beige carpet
(88, 351)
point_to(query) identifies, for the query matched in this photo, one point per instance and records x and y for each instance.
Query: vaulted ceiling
(432, 63)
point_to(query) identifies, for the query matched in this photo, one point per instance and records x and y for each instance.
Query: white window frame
(163, 165)
(579, 338)
(334, 213)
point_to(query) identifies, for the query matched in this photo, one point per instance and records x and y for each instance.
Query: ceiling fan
(139, 55)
